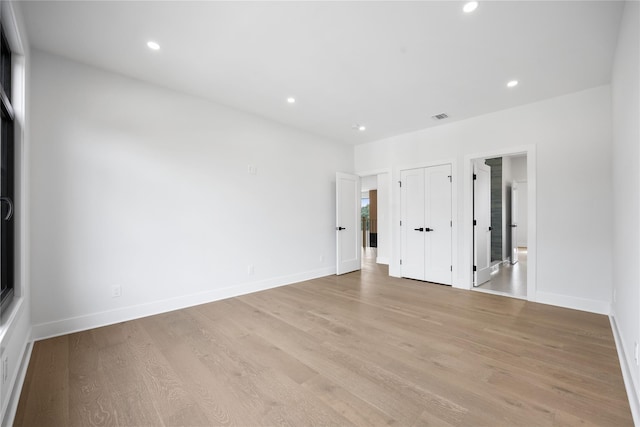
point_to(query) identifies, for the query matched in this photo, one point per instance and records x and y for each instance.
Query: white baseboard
(96, 320)
(625, 365)
(382, 260)
(583, 304)
(14, 395)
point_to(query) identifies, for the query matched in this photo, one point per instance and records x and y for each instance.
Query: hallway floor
(510, 280)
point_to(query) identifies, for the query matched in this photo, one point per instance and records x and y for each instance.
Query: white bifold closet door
(426, 224)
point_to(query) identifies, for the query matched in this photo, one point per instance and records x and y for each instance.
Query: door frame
(467, 225)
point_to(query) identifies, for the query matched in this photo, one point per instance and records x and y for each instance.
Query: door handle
(340, 228)
(514, 225)
(9, 214)
(419, 229)
(429, 229)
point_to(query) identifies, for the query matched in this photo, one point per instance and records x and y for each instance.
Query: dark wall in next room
(496, 208)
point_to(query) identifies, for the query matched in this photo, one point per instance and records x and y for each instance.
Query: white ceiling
(388, 65)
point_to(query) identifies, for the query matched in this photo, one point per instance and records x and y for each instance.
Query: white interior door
(412, 197)
(482, 222)
(438, 224)
(514, 223)
(348, 235)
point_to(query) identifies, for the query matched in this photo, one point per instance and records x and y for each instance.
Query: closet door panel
(412, 196)
(438, 224)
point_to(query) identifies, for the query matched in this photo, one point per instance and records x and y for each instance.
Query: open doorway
(500, 225)
(369, 216)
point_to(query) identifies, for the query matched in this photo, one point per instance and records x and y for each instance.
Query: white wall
(519, 174)
(369, 183)
(523, 223)
(626, 196)
(519, 168)
(507, 182)
(15, 323)
(572, 136)
(141, 187)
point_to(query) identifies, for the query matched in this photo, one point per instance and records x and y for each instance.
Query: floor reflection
(510, 279)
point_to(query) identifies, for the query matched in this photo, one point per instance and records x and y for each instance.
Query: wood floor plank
(358, 349)
(125, 385)
(47, 400)
(173, 403)
(354, 409)
(89, 396)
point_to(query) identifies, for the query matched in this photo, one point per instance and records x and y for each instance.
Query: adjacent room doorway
(500, 211)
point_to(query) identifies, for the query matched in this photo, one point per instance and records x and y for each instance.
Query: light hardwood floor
(359, 349)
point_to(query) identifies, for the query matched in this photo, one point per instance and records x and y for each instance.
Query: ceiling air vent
(440, 116)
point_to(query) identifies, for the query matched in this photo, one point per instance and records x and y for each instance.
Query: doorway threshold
(504, 294)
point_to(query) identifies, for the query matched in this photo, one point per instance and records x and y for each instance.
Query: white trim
(634, 399)
(95, 320)
(583, 304)
(16, 390)
(467, 227)
(8, 317)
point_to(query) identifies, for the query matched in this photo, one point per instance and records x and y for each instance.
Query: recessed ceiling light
(291, 100)
(470, 6)
(362, 128)
(153, 45)
(512, 83)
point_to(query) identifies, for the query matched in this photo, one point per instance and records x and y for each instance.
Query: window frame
(7, 182)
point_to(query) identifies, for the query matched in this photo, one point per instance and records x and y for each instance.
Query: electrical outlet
(252, 170)
(116, 291)
(250, 269)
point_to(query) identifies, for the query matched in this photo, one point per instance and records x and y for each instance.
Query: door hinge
(400, 223)
(451, 268)
(449, 178)
(450, 223)
(475, 268)
(475, 223)
(475, 176)
(400, 262)
(490, 228)
(400, 183)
